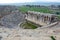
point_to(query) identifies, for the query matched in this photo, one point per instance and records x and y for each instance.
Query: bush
(53, 38)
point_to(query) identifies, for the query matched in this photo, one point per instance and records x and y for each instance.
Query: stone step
(28, 38)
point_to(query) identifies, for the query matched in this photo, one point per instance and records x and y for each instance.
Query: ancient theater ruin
(41, 18)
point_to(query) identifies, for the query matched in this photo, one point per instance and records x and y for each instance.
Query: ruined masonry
(41, 18)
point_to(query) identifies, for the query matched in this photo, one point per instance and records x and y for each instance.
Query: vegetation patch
(58, 16)
(52, 37)
(28, 25)
(38, 9)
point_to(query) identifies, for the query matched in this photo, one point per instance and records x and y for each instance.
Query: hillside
(10, 30)
(38, 9)
(6, 9)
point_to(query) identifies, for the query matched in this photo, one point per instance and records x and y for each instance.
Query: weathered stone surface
(28, 34)
(12, 19)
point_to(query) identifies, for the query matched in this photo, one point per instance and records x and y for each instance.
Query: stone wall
(40, 18)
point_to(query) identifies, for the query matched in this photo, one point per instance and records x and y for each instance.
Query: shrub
(53, 38)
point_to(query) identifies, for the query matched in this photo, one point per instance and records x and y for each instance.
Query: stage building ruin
(41, 18)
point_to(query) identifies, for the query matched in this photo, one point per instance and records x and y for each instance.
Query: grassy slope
(25, 9)
(38, 9)
(28, 26)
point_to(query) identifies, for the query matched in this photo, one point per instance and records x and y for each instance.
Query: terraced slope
(12, 19)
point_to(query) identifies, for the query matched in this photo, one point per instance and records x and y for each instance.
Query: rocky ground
(9, 29)
(29, 34)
